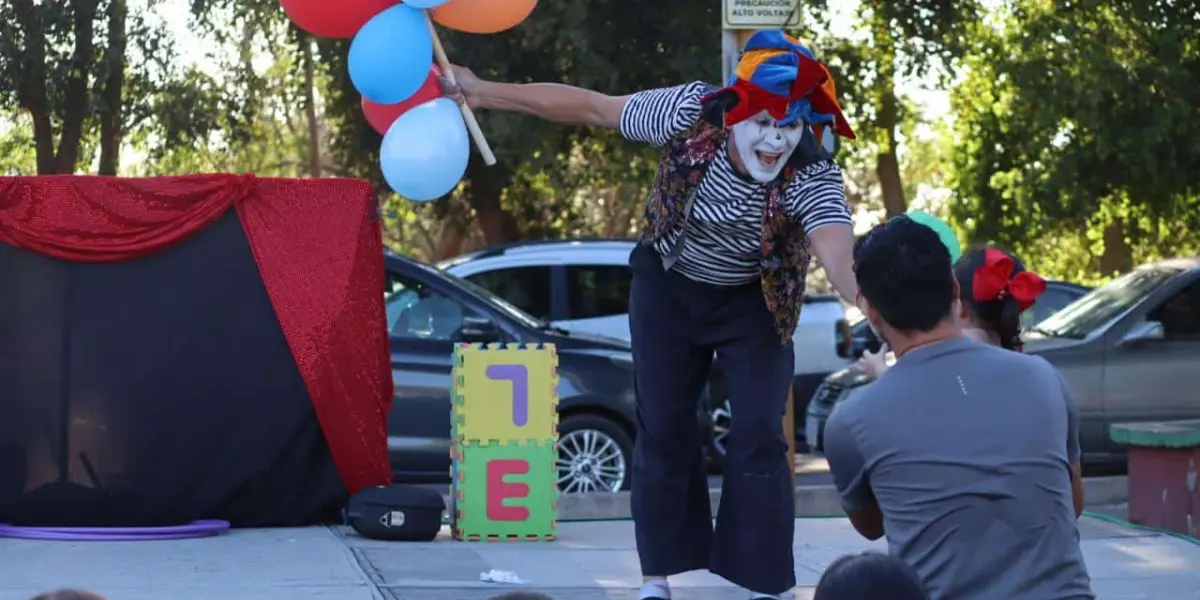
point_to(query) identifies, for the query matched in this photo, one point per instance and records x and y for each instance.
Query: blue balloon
(425, 152)
(425, 3)
(391, 54)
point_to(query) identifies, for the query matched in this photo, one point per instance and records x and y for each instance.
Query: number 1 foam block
(504, 432)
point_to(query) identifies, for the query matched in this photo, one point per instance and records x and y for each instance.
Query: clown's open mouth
(768, 159)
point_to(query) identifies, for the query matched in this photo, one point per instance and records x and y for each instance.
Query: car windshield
(497, 302)
(1091, 312)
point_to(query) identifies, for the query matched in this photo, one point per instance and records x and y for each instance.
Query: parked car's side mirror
(1144, 332)
(480, 330)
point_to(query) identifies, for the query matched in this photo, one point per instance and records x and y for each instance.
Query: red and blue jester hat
(778, 74)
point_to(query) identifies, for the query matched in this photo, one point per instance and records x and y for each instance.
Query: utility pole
(739, 20)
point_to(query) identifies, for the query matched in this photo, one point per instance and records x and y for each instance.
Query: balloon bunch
(397, 63)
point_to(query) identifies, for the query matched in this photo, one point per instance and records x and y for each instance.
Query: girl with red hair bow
(996, 289)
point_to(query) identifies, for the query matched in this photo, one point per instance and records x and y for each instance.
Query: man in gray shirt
(963, 454)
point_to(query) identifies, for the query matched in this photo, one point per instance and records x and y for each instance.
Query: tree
(33, 70)
(112, 89)
(897, 39)
(65, 67)
(1079, 119)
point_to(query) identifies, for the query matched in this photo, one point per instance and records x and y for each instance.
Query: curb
(811, 500)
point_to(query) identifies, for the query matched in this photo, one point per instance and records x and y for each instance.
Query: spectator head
(905, 281)
(870, 576)
(996, 289)
(68, 594)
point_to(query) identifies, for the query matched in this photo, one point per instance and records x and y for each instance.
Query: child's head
(868, 576)
(68, 594)
(995, 289)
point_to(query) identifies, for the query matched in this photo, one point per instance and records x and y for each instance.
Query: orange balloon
(483, 16)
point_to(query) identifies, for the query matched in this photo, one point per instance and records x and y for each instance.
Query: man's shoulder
(999, 356)
(858, 401)
(1026, 370)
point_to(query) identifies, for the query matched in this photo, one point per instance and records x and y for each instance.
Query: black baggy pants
(676, 325)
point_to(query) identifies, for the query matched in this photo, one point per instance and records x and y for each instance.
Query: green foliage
(1077, 115)
(16, 148)
(929, 35)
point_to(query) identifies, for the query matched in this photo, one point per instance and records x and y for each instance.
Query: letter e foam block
(505, 492)
(504, 393)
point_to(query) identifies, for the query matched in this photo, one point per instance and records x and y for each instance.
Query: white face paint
(763, 146)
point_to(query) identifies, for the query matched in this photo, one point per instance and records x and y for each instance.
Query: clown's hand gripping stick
(439, 55)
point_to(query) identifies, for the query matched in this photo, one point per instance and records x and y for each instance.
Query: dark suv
(429, 311)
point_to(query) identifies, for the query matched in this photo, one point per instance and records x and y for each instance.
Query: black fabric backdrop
(154, 391)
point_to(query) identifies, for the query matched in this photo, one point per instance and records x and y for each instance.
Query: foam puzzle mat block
(505, 392)
(505, 491)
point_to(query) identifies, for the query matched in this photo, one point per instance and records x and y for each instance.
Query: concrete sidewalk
(591, 561)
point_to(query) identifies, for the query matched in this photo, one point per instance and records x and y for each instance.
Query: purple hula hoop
(197, 529)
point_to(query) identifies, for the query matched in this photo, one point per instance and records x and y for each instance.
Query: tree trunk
(75, 108)
(887, 163)
(110, 116)
(451, 241)
(486, 187)
(32, 95)
(310, 107)
(887, 168)
(1118, 256)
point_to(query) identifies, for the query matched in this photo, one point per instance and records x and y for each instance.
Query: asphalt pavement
(589, 561)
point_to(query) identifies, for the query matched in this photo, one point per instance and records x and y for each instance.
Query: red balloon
(331, 19)
(381, 116)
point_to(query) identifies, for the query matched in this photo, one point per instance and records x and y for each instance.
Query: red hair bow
(995, 281)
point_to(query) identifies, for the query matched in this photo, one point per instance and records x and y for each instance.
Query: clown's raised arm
(651, 116)
(555, 102)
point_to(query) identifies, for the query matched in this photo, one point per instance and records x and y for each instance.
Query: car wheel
(595, 454)
(721, 422)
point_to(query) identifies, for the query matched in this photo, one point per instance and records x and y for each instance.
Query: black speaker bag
(402, 513)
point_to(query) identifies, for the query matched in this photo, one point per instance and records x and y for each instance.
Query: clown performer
(744, 190)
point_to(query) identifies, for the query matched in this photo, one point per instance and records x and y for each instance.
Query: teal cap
(941, 228)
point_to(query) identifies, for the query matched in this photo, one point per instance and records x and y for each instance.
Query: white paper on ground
(498, 576)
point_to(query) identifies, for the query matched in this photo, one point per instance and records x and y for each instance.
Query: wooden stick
(439, 55)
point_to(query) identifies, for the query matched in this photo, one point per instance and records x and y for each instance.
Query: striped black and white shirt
(725, 226)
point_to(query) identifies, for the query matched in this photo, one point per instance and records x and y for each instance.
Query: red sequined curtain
(317, 247)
